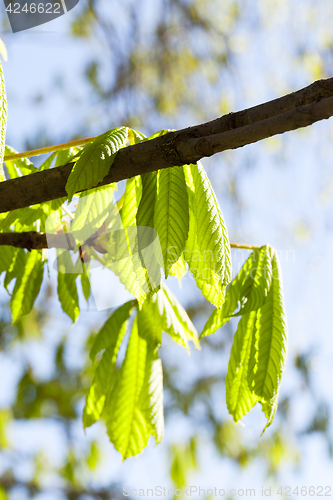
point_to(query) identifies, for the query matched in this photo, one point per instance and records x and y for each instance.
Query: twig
(48, 149)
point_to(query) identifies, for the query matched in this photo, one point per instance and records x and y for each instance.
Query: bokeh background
(159, 64)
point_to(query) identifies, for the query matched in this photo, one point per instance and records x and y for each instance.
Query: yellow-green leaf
(27, 286)
(239, 398)
(95, 160)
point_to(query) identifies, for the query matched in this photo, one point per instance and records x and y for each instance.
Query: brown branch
(33, 240)
(295, 110)
(285, 122)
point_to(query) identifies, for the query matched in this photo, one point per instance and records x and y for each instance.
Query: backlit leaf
(248, 290)
(105, 336)
(269, 347)
(207, 249)
(175, 319)
(67, 290)
(239, 398)
(151, 398)
(171, 218)
(27, 285)
(126, 424)
(270, 344)
(110, 338)
(19, 165)
(95, 160)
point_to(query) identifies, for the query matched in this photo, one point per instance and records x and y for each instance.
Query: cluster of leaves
(131, 399)
(55, 400)
(179, 204)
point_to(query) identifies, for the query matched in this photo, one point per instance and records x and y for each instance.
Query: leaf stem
(245, 246)
(49, 149)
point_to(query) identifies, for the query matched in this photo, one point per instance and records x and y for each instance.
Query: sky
(285, 187)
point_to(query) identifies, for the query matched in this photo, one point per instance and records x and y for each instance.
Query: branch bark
(295, 110)
(33, 240)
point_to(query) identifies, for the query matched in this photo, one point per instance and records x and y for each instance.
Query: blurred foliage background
(168, 64)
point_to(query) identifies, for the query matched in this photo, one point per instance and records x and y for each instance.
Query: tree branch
(295, 110)
(32, 240)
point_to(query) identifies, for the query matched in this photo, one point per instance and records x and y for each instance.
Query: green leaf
(126, 263)
(85, 283)
(212, 232)
(171, 219)
(17, 266)
(239, 398)
(184, 460)
(254, 284)
(178, 269)
(109, 338)
(207, 248)
(95, 160)
(175, 319)
(151, 398)
(150, 323)
(105, 336)
(126, 424)
(131, 201)
(54, 205)
(148, 242)
(7, 254)
(67, 290)
(158, 134)
(3, 120)
(19, 165)
(23, 219)
(269, 347)
(207, 280)
(3, 492)
(92, 211)
(248, 290)
(94, 457)
(27, 286)
(62, 158)
(146, 209)
(125, 260)
(48, 162)
(269, 409)
(67, 156)
(31, 218)
(135, 137)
